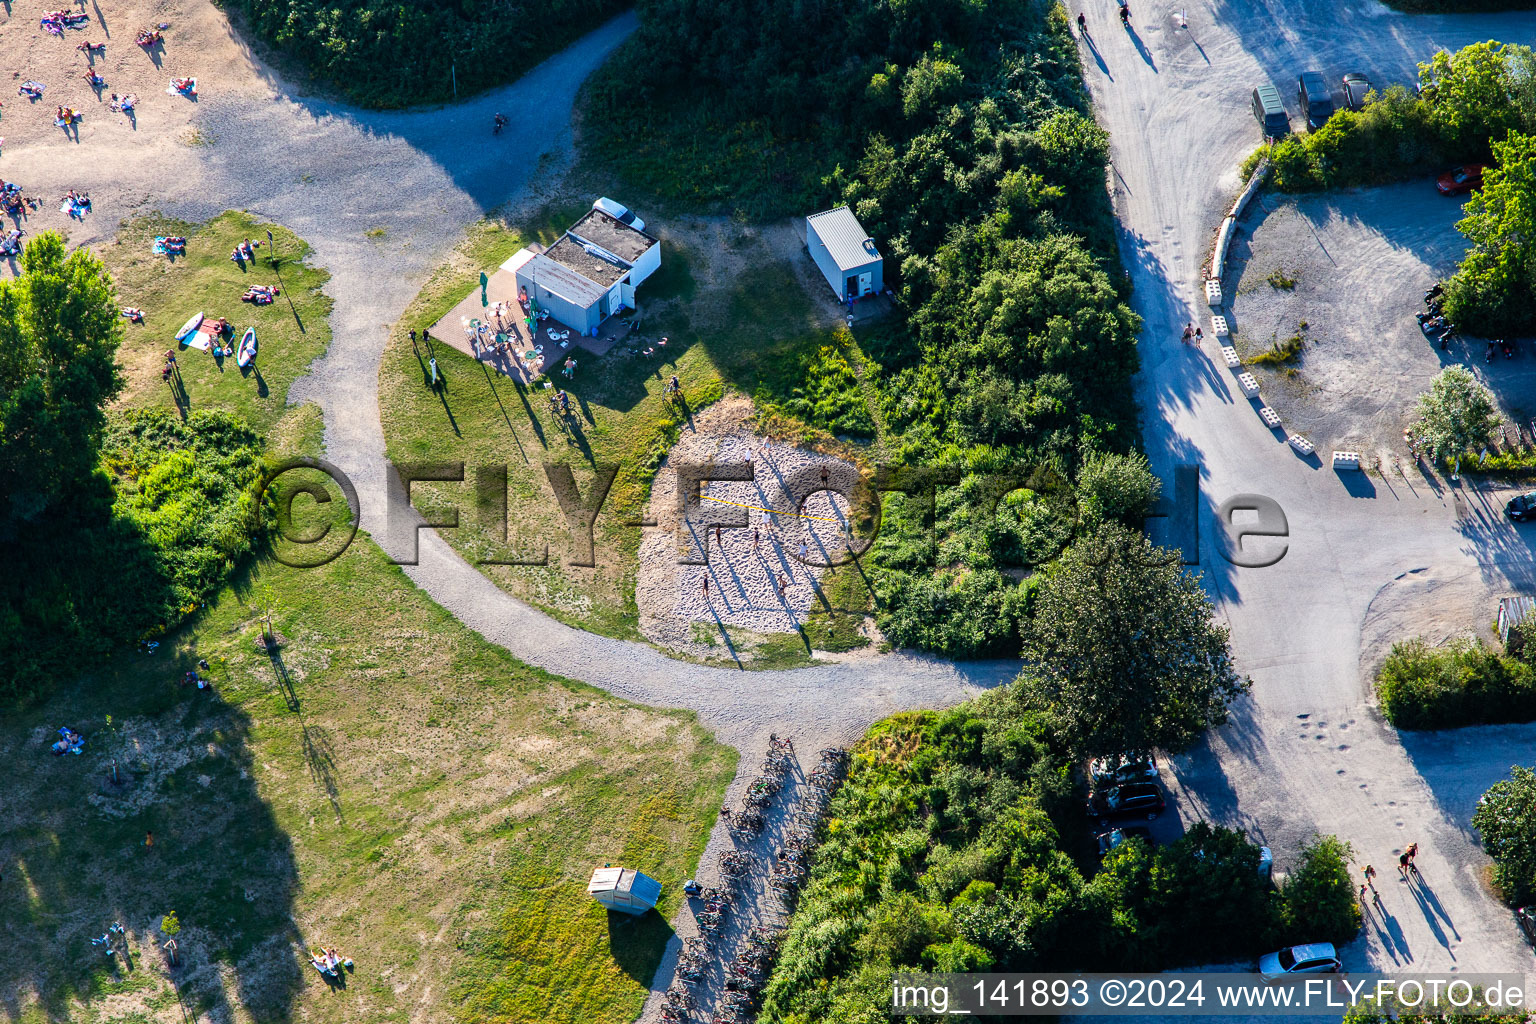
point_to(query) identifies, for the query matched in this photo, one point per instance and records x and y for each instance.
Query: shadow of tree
(78, 845)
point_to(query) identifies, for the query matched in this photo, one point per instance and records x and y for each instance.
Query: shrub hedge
(1470, 99)
(1463, 683)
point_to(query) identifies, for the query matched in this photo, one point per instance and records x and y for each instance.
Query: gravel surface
(744, 575)
(1361, 261)
(1308, 752)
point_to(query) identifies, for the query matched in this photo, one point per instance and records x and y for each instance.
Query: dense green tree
(59, 333)
(1457, 414)
(1470, 94)
(1124, 654)
(1319, 894)
(1118, 487)
(1493, 292)
(1506, 819)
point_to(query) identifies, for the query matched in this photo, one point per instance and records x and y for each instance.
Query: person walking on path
(1410, 853)
(1082, 24)
(1189, 332)
(1199, 337)
(1402, 863)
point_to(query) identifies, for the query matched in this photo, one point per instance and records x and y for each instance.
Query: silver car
(1312, 958)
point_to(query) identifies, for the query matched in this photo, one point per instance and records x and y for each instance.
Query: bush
(1464, 683)
(1118, 487)
(1392, 138)
(946, 850)
(1319, 896)
(150, 538)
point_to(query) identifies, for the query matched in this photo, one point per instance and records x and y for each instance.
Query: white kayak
(190, 326)
(247, 352)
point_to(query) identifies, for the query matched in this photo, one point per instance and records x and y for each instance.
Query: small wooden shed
(624, 889)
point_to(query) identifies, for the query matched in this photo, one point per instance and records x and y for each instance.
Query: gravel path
(1308, 752)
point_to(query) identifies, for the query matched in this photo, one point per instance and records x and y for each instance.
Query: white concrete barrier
(1250, 386)
(1301, 444)
(1219, 326)
(1213, 292)
(1346, 460)
(1270, 417)
(1229, 226)
(1230, 355)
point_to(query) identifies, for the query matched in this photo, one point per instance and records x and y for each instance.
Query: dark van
(1270, 111)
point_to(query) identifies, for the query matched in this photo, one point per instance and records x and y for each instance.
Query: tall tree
(1126, 656)
(1470, 95)
(1456, 414)
(59, 333)
(1493, 292)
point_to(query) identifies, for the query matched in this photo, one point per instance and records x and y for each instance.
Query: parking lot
(1353, 266)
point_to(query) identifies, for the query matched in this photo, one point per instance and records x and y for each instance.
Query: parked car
(1460, 179)
(1131, 800)
(1116, 836)
(1356, 86)
(618, 211)
(1316, 103)
(1312, 958)
(1270, 112)
(1112, 771)
(1521, 507)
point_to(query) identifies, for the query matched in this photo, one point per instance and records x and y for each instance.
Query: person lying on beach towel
(134, 314)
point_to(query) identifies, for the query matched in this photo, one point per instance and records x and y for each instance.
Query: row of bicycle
(745, 973)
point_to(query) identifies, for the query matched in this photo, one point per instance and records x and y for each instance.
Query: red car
(1460, 179)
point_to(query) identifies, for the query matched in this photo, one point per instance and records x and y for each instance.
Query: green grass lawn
(754, 331)
(206, 280)
(431, 807)
(388, 784)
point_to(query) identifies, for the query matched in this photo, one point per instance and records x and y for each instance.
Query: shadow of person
(261, 383)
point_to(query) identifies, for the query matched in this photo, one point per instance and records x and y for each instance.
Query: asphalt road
(1307, 753)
